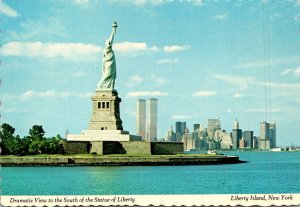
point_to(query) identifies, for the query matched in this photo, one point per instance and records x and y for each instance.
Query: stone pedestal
(103, 135)
(106, 111)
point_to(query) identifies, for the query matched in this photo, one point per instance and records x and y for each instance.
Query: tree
(7, 139)
(25, 142)
(7, 131)
(37, 132)
(37, 140)
(37, 147)
(33, 144)
(54, 145)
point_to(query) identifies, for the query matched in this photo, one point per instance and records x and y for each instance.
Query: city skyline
(200, 59)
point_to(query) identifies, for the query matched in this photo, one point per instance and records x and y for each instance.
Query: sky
(231, 59)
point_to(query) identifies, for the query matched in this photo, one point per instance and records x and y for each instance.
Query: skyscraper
(267, 136)
(264, 141)
(236, 135)
(170, 135)
(179, 130)
(141, 118)
(196, 127)
(272, 134)
(152, 119)
(212, 126)
(248, 137)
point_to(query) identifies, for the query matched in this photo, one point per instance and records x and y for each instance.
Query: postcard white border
(156, 200)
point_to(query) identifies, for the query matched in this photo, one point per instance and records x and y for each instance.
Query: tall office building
(267, 138)
(226, 142)
(248, 137)
(264, 140)
(179, 130)
(236, 135)
(170, 135)
(212, 126)
(152, 119)
(189, 140)
(196, 127)
(141, 118)
(272, 134)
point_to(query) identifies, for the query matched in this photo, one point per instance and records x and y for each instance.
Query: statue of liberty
(108, 78)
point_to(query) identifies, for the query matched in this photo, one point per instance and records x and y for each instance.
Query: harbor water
(264, 172)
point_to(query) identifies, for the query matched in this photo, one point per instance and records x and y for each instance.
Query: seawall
(119, 160)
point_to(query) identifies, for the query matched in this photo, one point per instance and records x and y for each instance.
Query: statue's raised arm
(112, 35)
(108, 63)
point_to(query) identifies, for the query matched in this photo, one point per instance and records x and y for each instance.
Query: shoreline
(155, 160)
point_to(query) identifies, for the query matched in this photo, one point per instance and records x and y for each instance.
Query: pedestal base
(103, 135)
(106, 111)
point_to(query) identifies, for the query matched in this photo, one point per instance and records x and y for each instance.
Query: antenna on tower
(266, 50)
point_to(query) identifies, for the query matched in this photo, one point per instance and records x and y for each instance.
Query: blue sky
(200, 59)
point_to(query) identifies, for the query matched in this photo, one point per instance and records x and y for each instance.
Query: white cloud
(75, 51)
(297, 72)
(205, 93)
(274, 62)
(229, 110)
(147, 93)
(181, 117)
(38, 29)
(157, 80)
(176, 48)
(287, 71)
(8, 11)
(51, 94)
(298, 2)
(167, 61)
(261, 110)
(133, 47)
(237, 95)
(220, 16)
(280, 85)
(242, 81)
(70, 51)
(134, 80)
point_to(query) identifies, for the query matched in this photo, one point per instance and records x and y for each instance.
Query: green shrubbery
(34, 143)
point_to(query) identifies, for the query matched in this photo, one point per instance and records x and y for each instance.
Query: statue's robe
(108, 68)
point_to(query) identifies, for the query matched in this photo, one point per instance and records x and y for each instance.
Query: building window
(103, 105)
(99, 105)
(107, 105)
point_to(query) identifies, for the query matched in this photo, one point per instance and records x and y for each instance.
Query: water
(265, 172)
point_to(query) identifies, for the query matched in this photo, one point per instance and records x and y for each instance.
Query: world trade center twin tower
(149, 133)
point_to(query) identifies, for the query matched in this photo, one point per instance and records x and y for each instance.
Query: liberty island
(105, 134)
